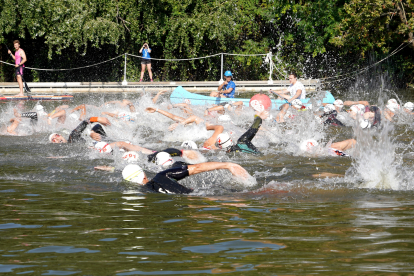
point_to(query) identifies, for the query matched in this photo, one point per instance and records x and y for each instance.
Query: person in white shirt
(295, 91)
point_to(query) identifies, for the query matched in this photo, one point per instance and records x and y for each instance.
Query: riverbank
(12, 88)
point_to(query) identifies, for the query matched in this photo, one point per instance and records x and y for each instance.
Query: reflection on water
(60, 217)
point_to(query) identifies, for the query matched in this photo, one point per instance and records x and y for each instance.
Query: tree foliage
(315, 38)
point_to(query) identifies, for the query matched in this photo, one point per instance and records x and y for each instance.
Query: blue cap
(228, 74)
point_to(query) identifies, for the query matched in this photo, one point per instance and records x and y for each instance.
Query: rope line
(370, 66)
(174, 59)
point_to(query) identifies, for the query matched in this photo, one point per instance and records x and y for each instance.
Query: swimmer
(76, 135)
(390, 109)
(155, 99)
(60, 113)
(334, 149)
(122, 103)
(178, 119)
(330, 116)
(15, 122)
(167, 181)
(408, 107)
(244, 143)
(221, 108)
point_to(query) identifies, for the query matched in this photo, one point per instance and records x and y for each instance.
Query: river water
(61, 217)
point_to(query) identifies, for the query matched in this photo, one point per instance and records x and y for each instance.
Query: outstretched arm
(210, 142)
(130, 147)
(235, 169)
(154, 100)
(165, 113)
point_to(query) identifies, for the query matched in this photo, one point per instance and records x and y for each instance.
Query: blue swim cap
(228, 74)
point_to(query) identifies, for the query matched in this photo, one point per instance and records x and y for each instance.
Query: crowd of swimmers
(92, 124)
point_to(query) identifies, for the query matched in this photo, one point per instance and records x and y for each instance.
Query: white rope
(77, 68)
(368, 67)
(174, 59)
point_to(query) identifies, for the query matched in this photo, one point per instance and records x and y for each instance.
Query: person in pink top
(19, 59)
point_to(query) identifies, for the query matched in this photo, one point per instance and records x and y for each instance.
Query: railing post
(221, 78)
(269, 55)
(124, 82)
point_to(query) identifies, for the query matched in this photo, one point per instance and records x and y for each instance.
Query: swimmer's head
(124, 116)
(308, 145)
(56, 138)
(164, 159)
(103, 147)
(40, 110)
(357, 109)
(224, 118)
(409, 106)
(189, 145)
(328, 108)
(224, 141)
(130, 156)
(365, 124)
(296, 103)
(339, 104)
(392, 105)
(134, 173)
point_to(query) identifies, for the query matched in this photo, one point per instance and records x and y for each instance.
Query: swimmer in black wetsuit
(244, 143)
(167, 181)
(331, 118)
(76, 135)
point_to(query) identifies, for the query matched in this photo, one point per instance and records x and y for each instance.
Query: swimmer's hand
(104, 121)
(150, 110)
(190, 154)
(237, 170)
(105, 168)
(173, 126)
(16, 114)
(264, 114)
(96, 136)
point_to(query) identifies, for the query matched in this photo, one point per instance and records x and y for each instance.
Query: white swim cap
(308, 145)
(338, 103)
(224, 141)
(164, 159)
(328, 108)
(187, 101)
(297, 103)
(409, 106)
(74, 116)
(189, 145)
(39, 107)
(103, 147)
(365, 124)
(392, 105)
(357, 109)
(51, 137)
(224, 118)
(133, 173)
(130, 156)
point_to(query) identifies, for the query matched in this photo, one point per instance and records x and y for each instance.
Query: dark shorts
(19, 71)
(145, 61)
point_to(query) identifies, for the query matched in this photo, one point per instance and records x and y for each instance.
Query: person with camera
(146, 60)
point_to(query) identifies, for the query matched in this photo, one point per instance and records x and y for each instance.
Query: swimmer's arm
(114, 115)
(105, 168)
(101, 120)
(154, 100)
(210, 142)
(61, 107)
(235, 169)
(82, 106)
(348, 103)
(130, 147)
(387, 116)
(61, 115)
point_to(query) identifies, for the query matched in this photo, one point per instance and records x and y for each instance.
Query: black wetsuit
(244, 144)
(332, 120)
(31, 115)
(76, 134)
(167, 181)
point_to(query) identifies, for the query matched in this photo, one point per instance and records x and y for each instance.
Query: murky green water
(60, 217)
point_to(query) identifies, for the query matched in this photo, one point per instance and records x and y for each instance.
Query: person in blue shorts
(227, 89)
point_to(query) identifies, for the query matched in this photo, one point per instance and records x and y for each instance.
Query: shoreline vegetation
(316, 39)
